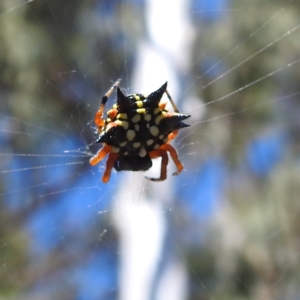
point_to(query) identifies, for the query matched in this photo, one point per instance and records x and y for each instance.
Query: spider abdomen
(135, 131)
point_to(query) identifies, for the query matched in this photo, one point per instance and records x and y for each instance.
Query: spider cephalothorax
(137, 129)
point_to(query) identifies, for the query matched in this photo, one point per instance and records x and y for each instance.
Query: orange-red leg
(109, 165)
(162, 105)
(164, 162)
(98, 116)
(112, 113)
(172, 135)
(112, 157)
(100, 155)
(173, 153)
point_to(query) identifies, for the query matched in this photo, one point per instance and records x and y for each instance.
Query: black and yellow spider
(137, 129)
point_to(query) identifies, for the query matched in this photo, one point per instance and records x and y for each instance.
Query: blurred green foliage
(253, 249)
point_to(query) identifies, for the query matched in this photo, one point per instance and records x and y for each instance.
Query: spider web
(226, 228)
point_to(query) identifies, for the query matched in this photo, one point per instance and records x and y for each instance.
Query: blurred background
(227, 227)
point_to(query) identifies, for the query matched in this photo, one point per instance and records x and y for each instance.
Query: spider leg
(172, 135)
(98, 116)
(109, 165)
(172, 102)
(162, 105)
(164, 162)
(173, 153)
(100, 155)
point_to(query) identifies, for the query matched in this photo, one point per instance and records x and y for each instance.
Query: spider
(137, 129)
